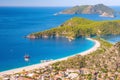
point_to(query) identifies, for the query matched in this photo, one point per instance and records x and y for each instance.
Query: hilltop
(100, 9)
(80, 27)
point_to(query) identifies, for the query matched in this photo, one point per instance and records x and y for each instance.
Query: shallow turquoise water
(112, 39)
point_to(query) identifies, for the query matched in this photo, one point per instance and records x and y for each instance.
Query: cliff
(91, 9)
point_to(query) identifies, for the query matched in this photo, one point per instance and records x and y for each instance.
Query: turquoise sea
(17, 22)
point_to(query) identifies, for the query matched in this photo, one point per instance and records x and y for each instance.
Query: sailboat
(26, 57)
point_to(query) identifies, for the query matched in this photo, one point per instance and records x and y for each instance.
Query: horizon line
(49, 6)
(36, 6)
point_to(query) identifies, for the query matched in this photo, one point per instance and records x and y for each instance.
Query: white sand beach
(35, 66)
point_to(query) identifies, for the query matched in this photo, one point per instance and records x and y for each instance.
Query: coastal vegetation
(101, 64)
(81, 27)
(86, 61)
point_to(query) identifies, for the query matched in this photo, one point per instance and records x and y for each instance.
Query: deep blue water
(17, 22)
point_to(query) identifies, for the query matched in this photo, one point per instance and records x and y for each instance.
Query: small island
(100, 9)
(80, 27)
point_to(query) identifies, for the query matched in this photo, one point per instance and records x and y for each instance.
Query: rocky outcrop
(107, 15)
(100, 9)
(31, 36)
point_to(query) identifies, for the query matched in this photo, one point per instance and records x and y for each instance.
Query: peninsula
(100, 9)
(80, 27)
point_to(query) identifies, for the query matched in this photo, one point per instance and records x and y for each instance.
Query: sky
(57, 2)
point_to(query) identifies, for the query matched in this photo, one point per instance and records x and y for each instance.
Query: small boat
(26, 57)
(55, 14)
(43, 61)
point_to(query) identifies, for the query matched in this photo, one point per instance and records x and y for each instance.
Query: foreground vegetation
(103, 64)
(80, 27)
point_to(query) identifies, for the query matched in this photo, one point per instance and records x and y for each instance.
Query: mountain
(80, 27)
(100, 9)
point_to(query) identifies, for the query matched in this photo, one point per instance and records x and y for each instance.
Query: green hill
(81, 27)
